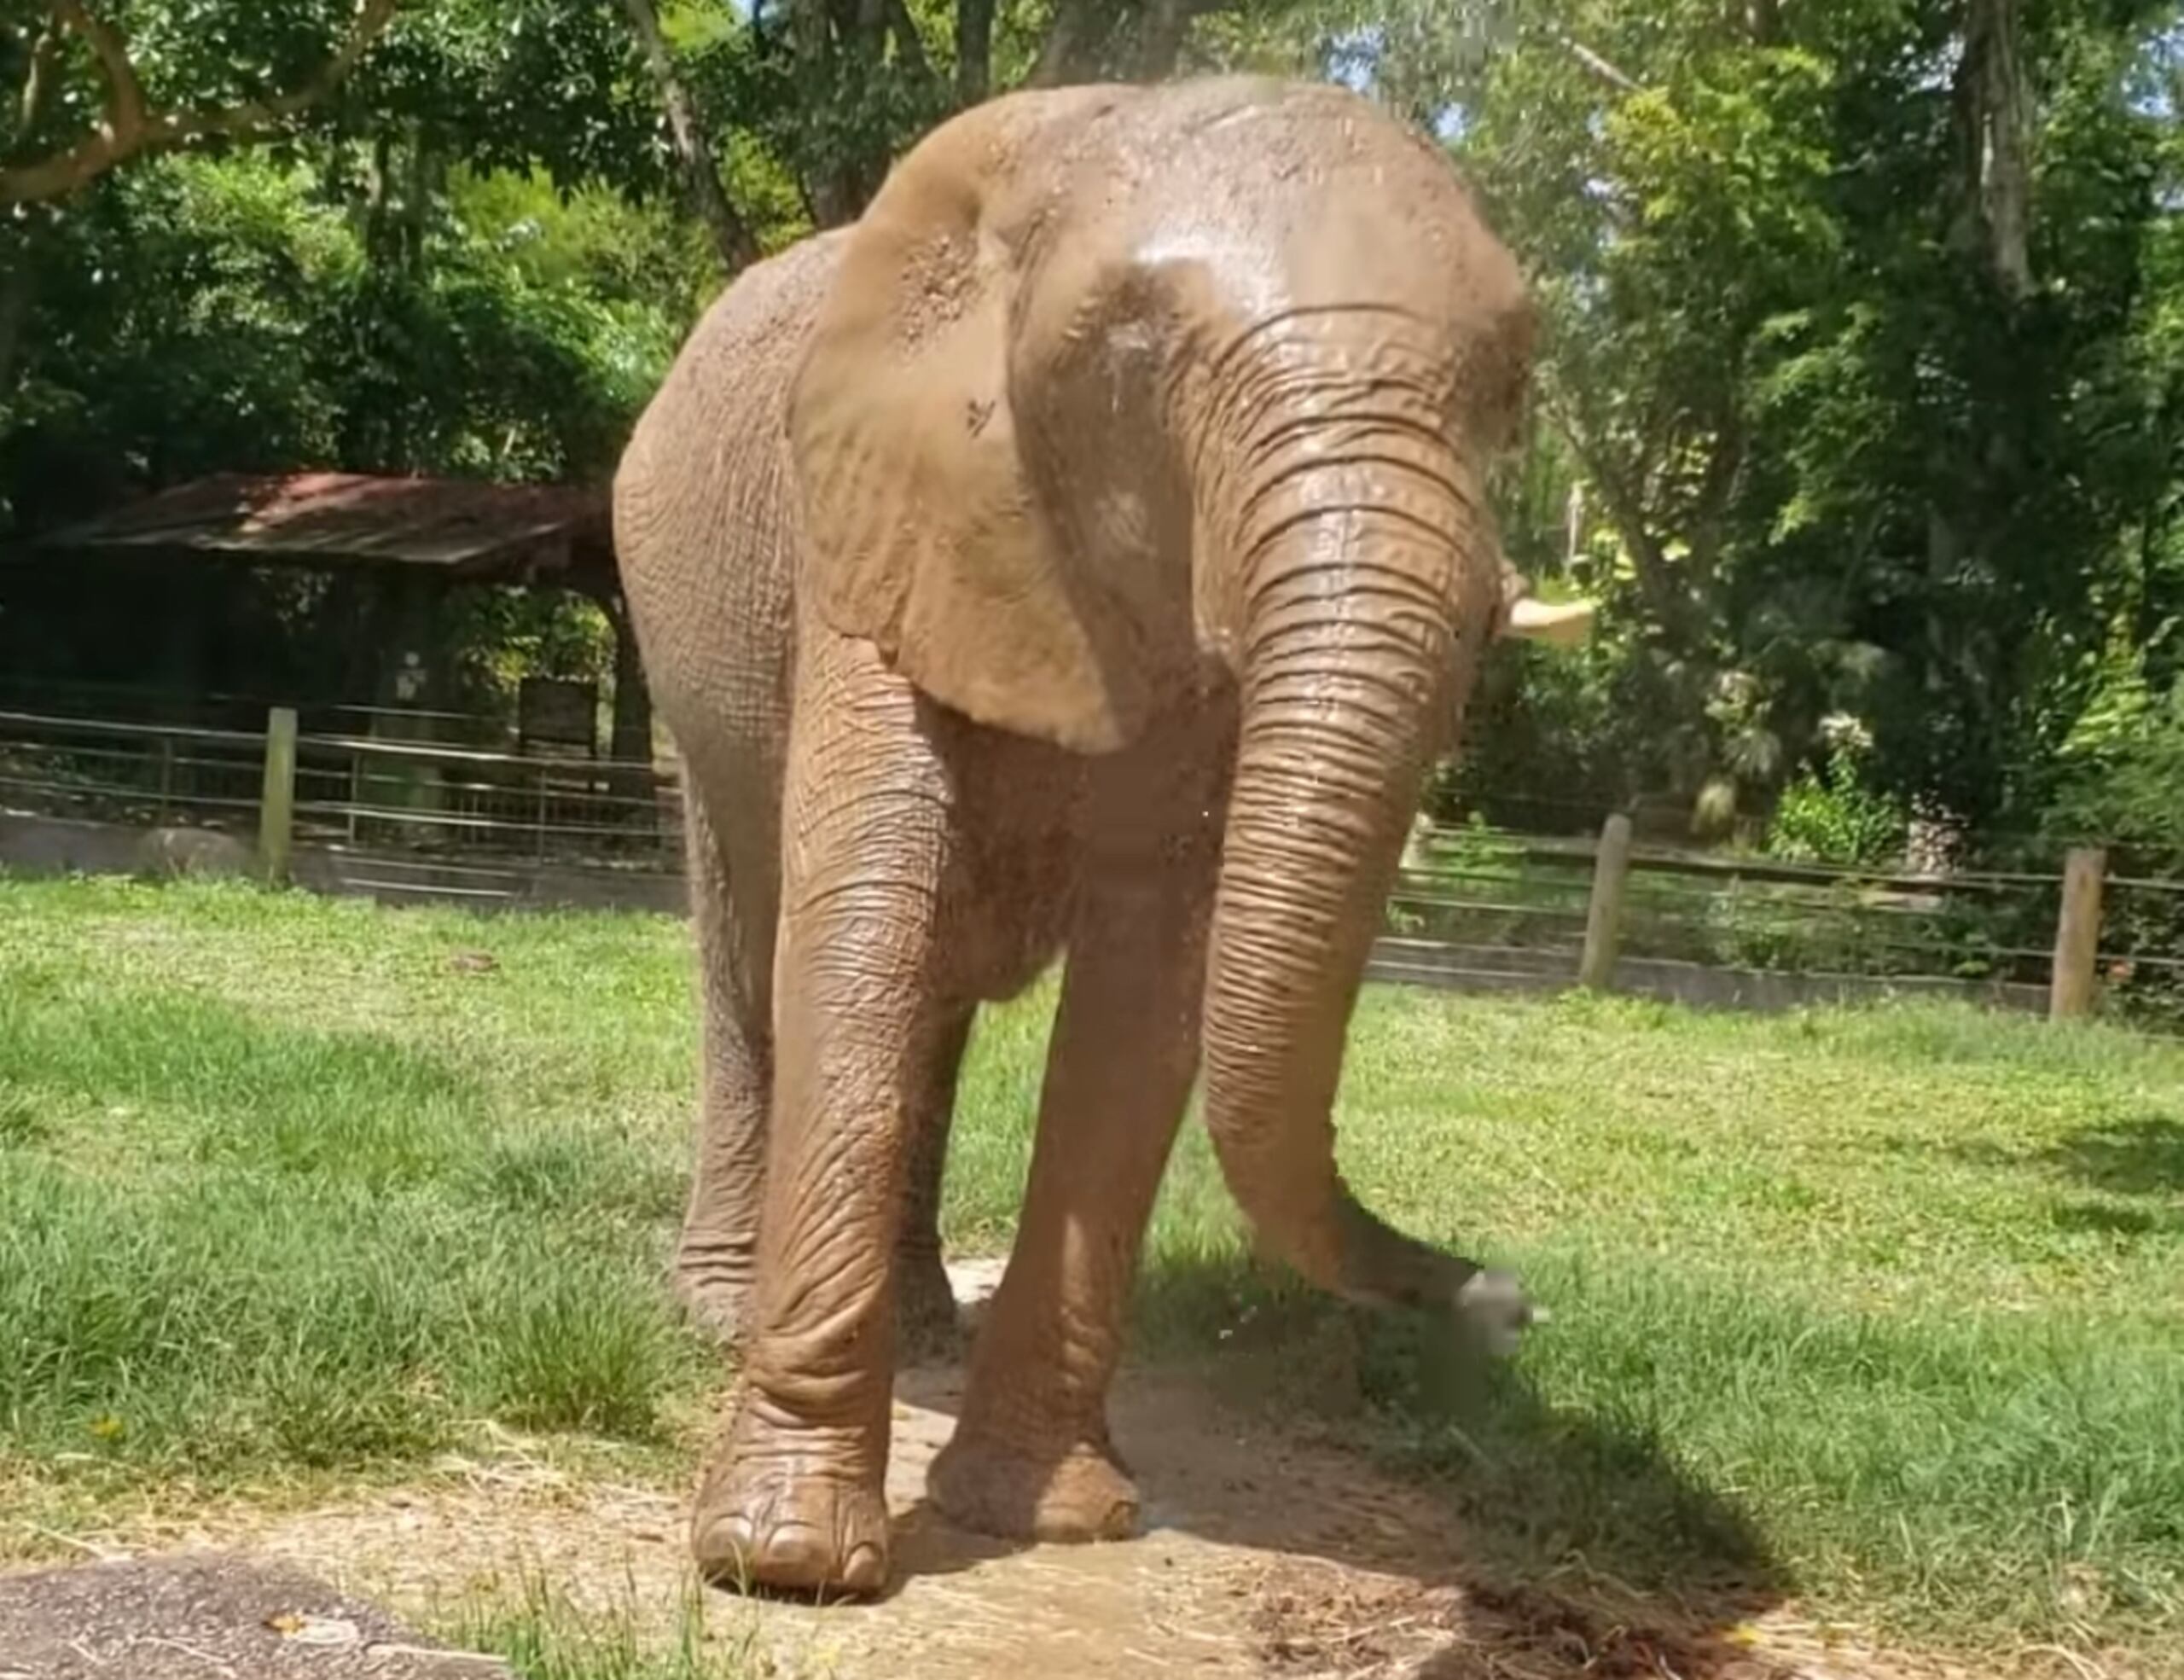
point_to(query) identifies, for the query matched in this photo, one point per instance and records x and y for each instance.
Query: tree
(176, 85)
(831, 91)
(1859, 403)
(694, 147)
(1860, 344)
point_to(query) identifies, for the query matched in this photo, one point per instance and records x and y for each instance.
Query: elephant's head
(1122, 392)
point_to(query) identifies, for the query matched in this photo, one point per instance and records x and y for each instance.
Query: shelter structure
(188, 584)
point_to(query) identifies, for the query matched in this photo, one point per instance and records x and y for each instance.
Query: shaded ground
(223, 1617)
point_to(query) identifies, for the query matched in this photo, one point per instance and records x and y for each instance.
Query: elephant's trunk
(1368, 584)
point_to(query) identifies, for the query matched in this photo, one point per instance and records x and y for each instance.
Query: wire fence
(356, 790)
(1524, 901)
(1474, 903)
(359, 790)
(213, 709)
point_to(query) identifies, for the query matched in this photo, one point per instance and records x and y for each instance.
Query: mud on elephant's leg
(926, 1327)
(796, 1500)
(1031, 1456)
(716, 1258)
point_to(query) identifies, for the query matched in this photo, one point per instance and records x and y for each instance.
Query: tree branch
(124, 94)
(37, 82)
(733, 241)
(1600, 67)
(131, 128)
(1648, 557)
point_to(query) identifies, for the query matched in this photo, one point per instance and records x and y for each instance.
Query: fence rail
(1472, 906)
(342, 789)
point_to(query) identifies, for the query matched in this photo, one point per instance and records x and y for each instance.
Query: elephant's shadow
(1310, 1434)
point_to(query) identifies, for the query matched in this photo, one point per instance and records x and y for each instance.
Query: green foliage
(2121, 782)
(832, 119)
(1828, 459)
(2123, 767)
(550, 86)
(1831, 814)
(1830, 465)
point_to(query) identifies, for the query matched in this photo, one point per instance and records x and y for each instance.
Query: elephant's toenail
(724, 1550)
(795, 1557)
(865, 1570)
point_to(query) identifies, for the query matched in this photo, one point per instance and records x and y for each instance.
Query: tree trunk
(1165, 25)
(910, 46)
(694, 151)
(1064, 53)
(1993, 123)
(1082, 44)
(840, 46)
(18, 285)
(973, 51)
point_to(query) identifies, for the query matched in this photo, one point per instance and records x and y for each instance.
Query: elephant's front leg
(734, 911)
(797, 1500)
(1031, 1456)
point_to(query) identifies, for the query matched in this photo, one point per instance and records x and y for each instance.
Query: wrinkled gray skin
(710, 534)
(1087, 551)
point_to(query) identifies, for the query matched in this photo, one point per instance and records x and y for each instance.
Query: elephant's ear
(925, 536)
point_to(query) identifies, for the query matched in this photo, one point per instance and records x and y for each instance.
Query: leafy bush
(2123, 785)
(1830, 815)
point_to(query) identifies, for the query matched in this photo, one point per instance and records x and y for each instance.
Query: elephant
(1085, 554)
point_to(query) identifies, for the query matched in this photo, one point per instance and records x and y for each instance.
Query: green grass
(278, 1189)
(1883, 1310)
(545, 1636)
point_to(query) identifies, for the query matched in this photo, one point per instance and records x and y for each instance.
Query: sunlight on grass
(1882, 1309)
(545, 1636)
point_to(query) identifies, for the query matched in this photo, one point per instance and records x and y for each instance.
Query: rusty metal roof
(482, 532)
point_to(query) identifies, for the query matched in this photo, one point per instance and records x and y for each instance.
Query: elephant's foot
(715, 1290)
(928, 1330)
(992, 1487)
(777, 1520)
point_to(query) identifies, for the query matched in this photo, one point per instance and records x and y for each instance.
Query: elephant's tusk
(1561, 626)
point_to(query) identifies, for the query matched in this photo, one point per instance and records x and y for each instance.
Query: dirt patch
(1264, 1553)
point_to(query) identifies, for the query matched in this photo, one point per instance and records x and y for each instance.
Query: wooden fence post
(1604, 915)
(276, 804)
(2072, 991)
